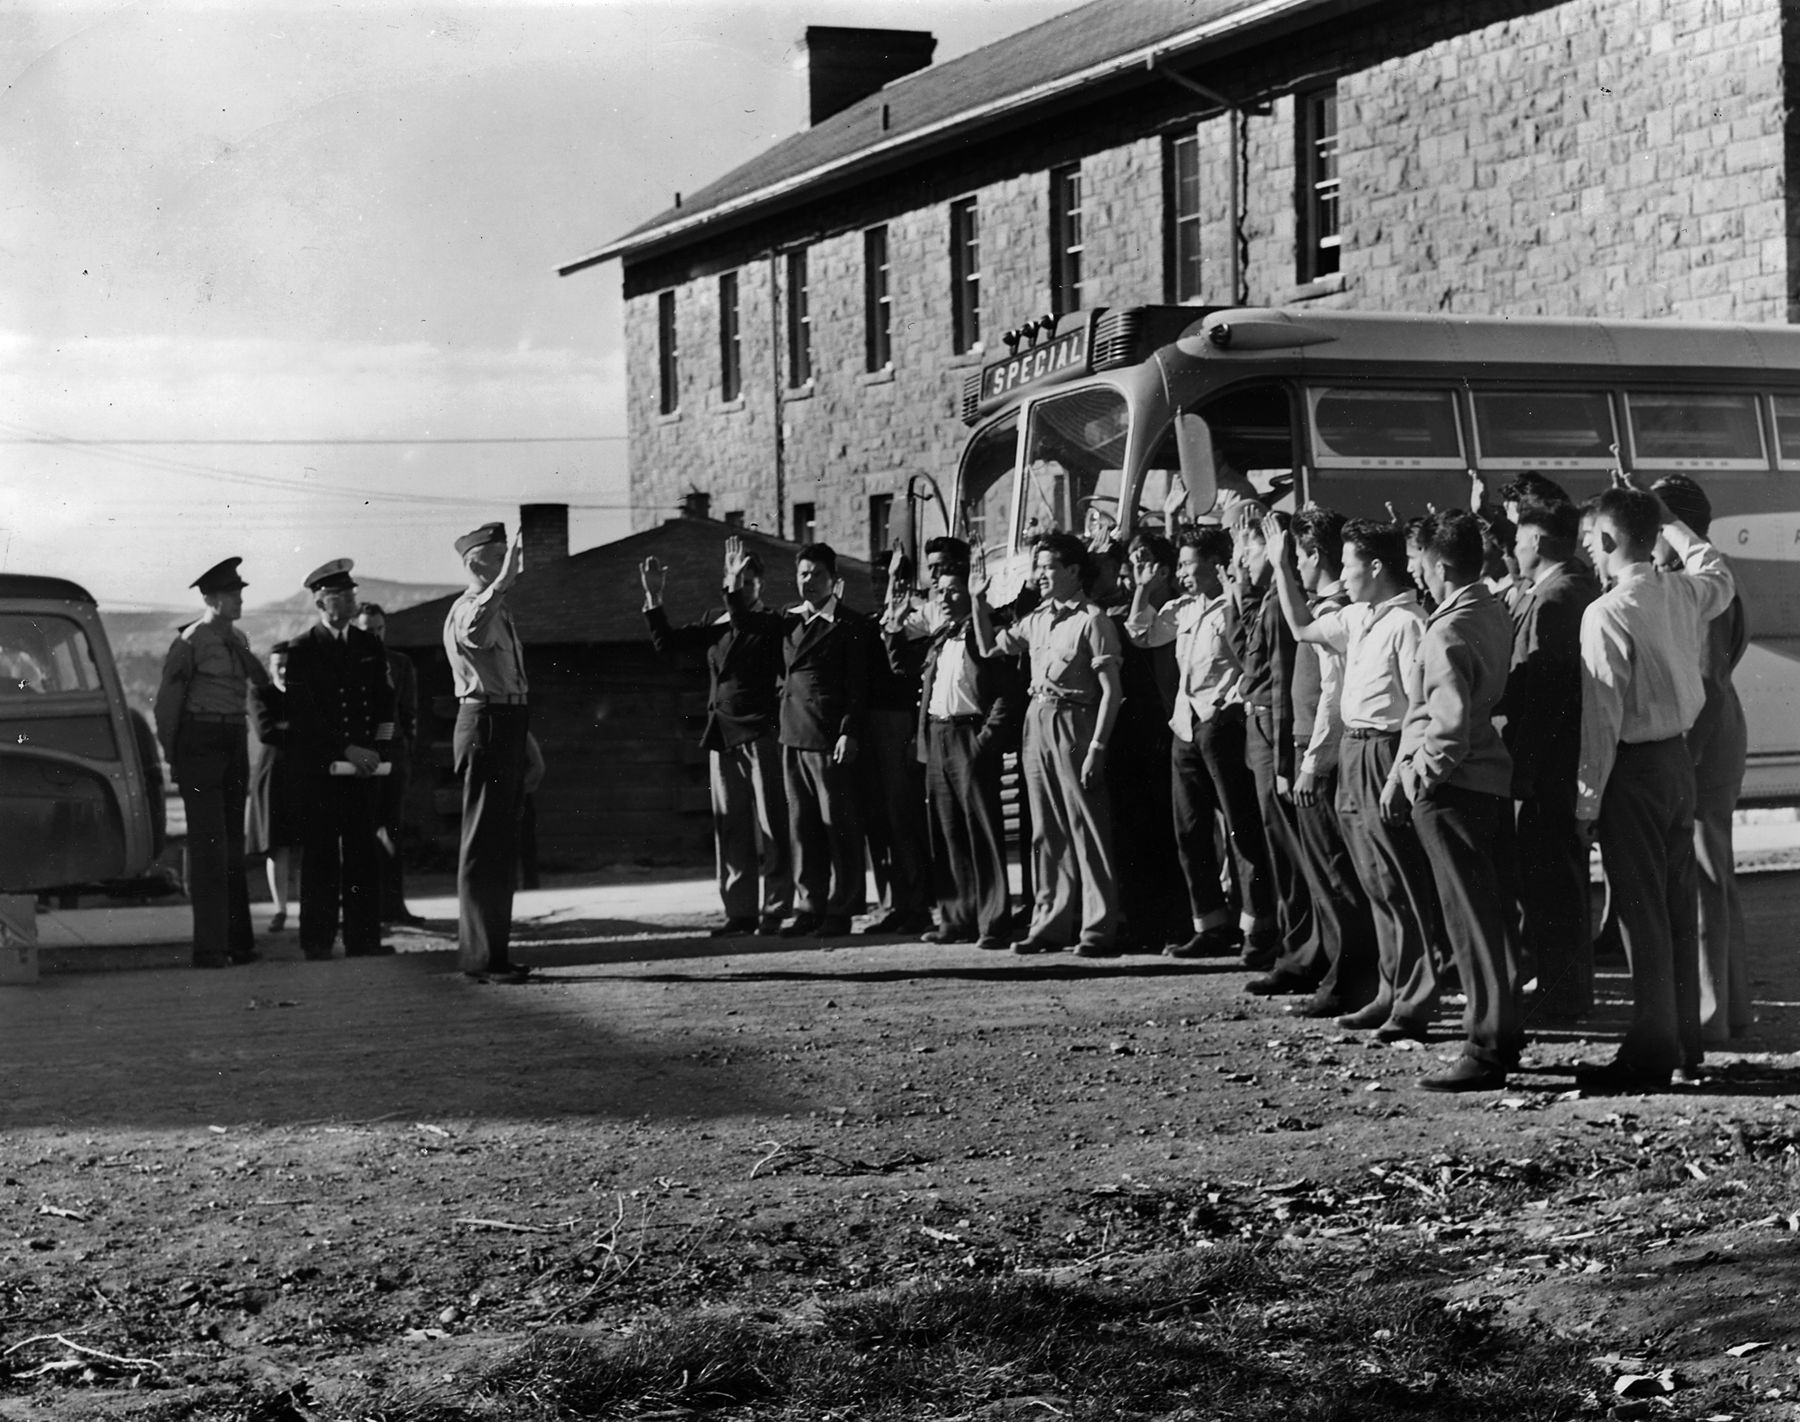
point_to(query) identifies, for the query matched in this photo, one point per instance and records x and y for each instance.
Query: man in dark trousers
(1542, 710)
(340, 731)
(890, 779)
(968, 713)
(1454, 772)
(749, 799)
(1641, 692)
(826, 649)
(487, 666)
(371, 617)
(202, 722)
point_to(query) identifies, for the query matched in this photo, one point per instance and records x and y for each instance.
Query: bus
(77, 764)
(1127, 419)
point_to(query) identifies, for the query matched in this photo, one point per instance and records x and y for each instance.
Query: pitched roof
(1001, 82)
(595, 597)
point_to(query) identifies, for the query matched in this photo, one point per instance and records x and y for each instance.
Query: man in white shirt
(1378, 636)
(1641, 692)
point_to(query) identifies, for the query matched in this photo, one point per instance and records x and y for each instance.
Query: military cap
(221, 577)
(481, 537)
(331, 576)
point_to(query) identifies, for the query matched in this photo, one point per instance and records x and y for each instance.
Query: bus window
(1684, 430)
(1787, 430)
(1074, 458)
(44, 656)
(1544, 429)
(985, 493)
(1362, 428)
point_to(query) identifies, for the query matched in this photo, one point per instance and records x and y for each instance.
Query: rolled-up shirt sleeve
(1104, 648)
(475, 621)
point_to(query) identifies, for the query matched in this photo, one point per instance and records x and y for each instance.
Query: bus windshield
(1074, 463)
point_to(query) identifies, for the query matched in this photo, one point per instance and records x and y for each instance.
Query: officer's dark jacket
(999, 689)
(744, 666)
(338, 695)
(825, 686)
(1542, 701)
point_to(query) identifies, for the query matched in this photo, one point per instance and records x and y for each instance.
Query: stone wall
(1601, 157)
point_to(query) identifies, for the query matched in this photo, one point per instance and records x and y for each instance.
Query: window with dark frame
(965, 276)
(803, 523)
(1316, 131)
(1065, 239)
(1181, 168)
(799, 321)
(668, 357)
(878, 308)
(881, 524)
(731, 364)
(734, 518)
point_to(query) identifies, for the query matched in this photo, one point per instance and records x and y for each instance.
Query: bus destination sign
(1067, 354)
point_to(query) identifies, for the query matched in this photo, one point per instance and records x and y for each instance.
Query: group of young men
(1367, 759)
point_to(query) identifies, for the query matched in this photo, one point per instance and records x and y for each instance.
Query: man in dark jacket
(825, 648)
(749, 801)
(340, 731)
(968, 712)
(391, 798)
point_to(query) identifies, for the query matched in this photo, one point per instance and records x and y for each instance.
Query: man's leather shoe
(1222, 942)
(834, 926)
(1687, 1076)
(899, 921)
(510, 977)
(1365, 1017)
(769, 925)
(1467, 1075)
(1095, 950)
(734, 928)
(1400, 1032)
(1027, 946)
(805, 925)
(992, 944)
(1277, 985)
(1316, 1006)
(405, 917)
(947, 935)
(1617, 1078)
(1260, 957)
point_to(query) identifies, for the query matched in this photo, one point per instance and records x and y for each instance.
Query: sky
(278, 280)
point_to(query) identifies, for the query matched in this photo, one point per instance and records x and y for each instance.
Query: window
(803, 523)
(45, 656)
(734, 518)
(877, 307)
(1182, 174)
(986, 484)
(1681, 430)
(1544, 429)
(1363, 428)
(731, 361)
(1065, 239)
(965, 276)
(1074, 460)
(881, 524)
(799, 322)
(668, 358)
(1316, 130)
(1787, 429)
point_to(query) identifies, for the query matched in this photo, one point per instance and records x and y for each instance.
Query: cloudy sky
(279, 281)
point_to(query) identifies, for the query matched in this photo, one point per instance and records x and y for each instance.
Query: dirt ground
(363, 1176)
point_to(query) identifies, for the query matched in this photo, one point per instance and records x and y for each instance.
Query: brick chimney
(695, 504)
(546, 530)
(844, 65)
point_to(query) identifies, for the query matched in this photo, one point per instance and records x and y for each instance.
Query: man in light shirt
(1378, 636)
(1641, 692)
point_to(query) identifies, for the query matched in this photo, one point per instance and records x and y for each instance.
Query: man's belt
(215, 718)
(493, 698)
(1047, 696)
(972, 719)
(1369, 733)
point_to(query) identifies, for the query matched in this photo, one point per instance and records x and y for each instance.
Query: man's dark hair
(953, 549)
(1376, 541)
(1634, 513)
(1686, 500)
(1161, 551)
(1560, 523)
(1212, 541)
(1068, 550)
(1455, 539)
(1320, 531)
(1413, 530)
(753, 565)
(1533, 487)
(375, 609)
(822, 554)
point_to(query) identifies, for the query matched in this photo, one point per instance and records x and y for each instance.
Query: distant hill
(140, 640)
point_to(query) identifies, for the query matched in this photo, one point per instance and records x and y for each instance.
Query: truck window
(1359, 428)
(1688, 430)
(1544, 429)
(42, 655)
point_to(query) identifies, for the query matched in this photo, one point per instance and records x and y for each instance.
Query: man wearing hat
(492, 724)
(201, 720)
(340, 731)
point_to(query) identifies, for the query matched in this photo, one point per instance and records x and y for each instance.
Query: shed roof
(1001, 83)
(595, 597)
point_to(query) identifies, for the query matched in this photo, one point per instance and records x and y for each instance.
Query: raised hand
(978, 568)
(1276, 537)
(654, 577)
(737, 562)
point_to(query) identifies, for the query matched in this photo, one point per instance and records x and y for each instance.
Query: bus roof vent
(1116, 337)
(971, 397)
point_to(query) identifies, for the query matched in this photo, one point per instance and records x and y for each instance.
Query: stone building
(798, 332)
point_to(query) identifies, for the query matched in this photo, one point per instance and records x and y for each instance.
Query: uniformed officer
(201, 721)
(340, 731)
(487, 665)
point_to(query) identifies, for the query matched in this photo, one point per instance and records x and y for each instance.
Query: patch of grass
(1259, 1336)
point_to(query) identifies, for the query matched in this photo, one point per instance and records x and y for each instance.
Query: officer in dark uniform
(404, 678)
(340, 734)
(201, 721)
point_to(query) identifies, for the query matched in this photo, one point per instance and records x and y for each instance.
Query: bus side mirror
(1199, 468)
